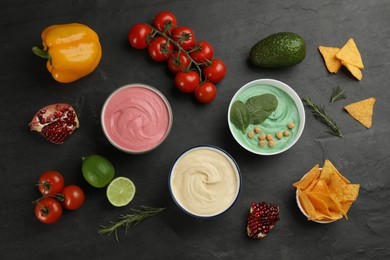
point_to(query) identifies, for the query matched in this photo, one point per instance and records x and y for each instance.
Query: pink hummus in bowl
(136, 118)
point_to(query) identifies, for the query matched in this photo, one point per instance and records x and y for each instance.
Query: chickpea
(291, 125)
(262, 143)
(271, 143)
(286, 133)
(251, 134)
(269, 137)
(279, 135)
(262, 137)
(257, 130)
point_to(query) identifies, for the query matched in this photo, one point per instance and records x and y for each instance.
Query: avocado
(278, 50)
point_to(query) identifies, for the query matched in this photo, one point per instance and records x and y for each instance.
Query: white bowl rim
(304, 212)
(154, 90)
(284, 87)
(229, 157)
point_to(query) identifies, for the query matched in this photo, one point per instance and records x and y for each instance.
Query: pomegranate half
(55, 122)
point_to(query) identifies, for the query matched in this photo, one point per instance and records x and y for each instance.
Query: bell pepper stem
(41, 53)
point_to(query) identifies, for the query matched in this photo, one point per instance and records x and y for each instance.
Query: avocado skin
(278, 50)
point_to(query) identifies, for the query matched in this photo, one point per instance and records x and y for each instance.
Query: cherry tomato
(73, 197)
(206, 92)
(214, 72)
(203, 53)
(138, 35)
(160, 49)
(178, 63)
(164, 21)
(184, 36)
(48, 210)
(51, 182)
(187, 81)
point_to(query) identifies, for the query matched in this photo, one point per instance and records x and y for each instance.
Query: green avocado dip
(280, 126)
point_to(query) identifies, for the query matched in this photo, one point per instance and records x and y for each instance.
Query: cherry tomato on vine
(184, 36)
(160, 49)
(73, 197)
(214, 72)
(187, 81)
(164, 21)
(138, 35)
(178, 62)
(48, 210)
(203, 53)
(206, 92)
(51, 182)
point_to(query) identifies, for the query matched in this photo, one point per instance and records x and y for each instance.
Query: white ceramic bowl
(277, 85)
(136, 118)
(204, 181)
(304, 212)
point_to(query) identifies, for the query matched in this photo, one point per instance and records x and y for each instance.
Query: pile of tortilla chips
(348, 55)
(362, 111)
(325, 194)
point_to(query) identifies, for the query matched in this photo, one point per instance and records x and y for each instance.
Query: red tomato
(48, 210)
(215, 72)
(178, 63)
(206, 92)
(51, 182)
(203, 53)
(73, 197)
(184, 36)
(160, 49)
(164, 21)
(187, 81)
(138, 35)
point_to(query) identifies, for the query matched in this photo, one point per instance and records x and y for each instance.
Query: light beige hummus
(205, 181)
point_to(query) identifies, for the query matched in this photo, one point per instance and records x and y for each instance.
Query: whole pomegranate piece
(55, 122)
(262, 218)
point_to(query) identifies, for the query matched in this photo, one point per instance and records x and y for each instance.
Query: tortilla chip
(333, 204)
(306, 204)
(353, 192)
(346, 205)
(355, 71)
(304, 183)
(321, 187)
(329, 168)
(320, 207)
(362, 111)
(350, 54)
(332, 63)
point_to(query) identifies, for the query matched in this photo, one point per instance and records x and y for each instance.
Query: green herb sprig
(128, 220)
(321, 115)
(337, 94)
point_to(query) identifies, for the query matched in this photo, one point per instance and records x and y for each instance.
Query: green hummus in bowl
(266, 117)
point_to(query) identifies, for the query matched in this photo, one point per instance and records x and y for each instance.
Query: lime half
(120, 191)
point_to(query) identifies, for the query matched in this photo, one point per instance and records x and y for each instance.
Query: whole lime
(97, 170)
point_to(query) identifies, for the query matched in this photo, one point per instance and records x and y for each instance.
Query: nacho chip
(328, 169)
(334, 205)
(321, 187)
(332, 63)
(306, 204)
(321, 209)
(350, 54)
(355, 71)
(304, 183)
(362, 111)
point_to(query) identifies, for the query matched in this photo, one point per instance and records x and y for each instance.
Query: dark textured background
(232, 27)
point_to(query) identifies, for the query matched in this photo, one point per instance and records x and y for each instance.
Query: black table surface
(232, 27)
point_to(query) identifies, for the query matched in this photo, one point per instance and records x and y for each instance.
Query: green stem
(41, 53)
(169, 39)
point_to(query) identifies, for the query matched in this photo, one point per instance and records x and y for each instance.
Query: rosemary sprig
(337, 94)
(320, 114)
(128, 220)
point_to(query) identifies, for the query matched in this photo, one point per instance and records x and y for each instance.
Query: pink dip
(136, 118)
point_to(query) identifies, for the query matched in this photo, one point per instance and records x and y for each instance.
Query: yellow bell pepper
(73, 51)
